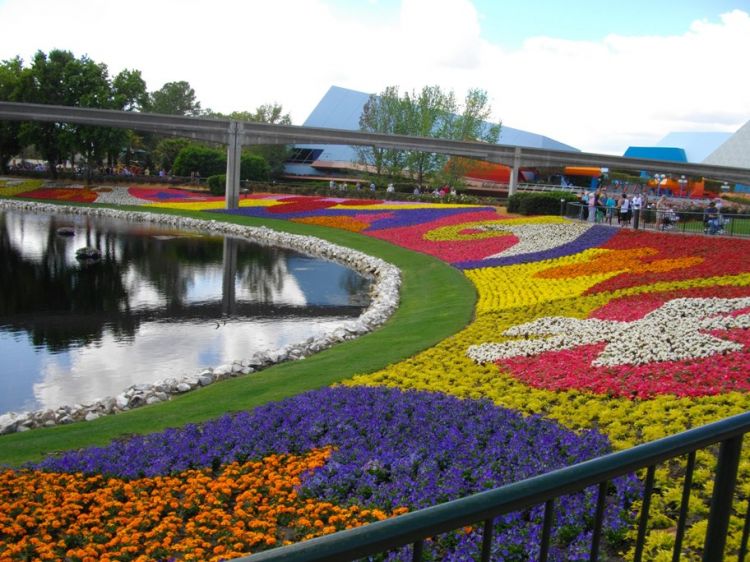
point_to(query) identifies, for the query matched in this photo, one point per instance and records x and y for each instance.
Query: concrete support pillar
(513, 184)
(234, 152)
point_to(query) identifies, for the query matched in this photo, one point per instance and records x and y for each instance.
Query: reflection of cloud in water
(288, 292)
(117, 302)
(141, 292)
(107, 369)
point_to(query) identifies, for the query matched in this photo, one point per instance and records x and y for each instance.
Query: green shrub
(254, 167)
(547, 203)
(217, 184)
(203, 159)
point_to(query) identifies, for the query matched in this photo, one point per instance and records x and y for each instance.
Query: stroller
(714, 225)
(669, 219)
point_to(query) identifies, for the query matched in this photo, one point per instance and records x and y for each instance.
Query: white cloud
(445, 33)
(599, 96)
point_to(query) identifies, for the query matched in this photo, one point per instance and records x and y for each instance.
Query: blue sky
(600, 76)
(510, 23)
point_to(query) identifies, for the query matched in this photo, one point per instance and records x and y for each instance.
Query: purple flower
(392, 448)
(592, 238)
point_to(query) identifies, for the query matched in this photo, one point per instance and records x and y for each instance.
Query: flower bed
(292, 470)
(635, 335)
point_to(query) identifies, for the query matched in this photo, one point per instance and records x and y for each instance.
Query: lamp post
(658, 178)
(683, 185)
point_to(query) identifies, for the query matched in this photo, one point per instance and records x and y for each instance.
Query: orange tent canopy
(582, 171)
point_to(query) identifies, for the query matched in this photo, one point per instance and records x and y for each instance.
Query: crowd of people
(390, 188)
(602, 206)
(118, 170)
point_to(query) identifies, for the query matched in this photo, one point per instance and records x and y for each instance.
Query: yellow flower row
(516, 294)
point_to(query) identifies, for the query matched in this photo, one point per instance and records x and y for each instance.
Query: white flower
(677, 330)
(537, 237)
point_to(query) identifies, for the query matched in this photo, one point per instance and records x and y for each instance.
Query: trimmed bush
(254, 167)
(547, 203)
(217, 184)
(203, 159)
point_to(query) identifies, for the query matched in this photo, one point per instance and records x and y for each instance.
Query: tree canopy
(174, 98)
(60, 78)
(274, 154)
(431, 112)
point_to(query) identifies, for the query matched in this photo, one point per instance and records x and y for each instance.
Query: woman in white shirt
(623, 218)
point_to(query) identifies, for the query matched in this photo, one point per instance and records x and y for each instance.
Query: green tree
(430, 112)
(472, 124)
(10, 90)
(205, 160)
(48, 81)
(274, 154)
(90, 85)
(129, 91)
(62, 79)
(267, 113)
(383, 113)
(174, 98)
(166, 151)
(128, 94)
(254, 167)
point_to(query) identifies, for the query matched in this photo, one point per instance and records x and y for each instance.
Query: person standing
(636, 204)
(610, 205)
(624, 219)
(712, 218)
(661, 208)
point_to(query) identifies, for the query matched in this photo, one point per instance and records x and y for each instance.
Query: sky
(597, 75)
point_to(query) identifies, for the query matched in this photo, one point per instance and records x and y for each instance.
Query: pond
(157, 303)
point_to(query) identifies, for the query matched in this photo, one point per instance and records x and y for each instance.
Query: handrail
(419, 525)
(673, 219)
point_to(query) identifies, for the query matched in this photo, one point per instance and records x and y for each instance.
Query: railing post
(721, 501)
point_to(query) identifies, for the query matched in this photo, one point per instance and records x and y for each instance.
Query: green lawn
(436, 301)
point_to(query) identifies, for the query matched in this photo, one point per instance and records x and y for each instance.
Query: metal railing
(545, 187)
(691, 222)
(411, 530)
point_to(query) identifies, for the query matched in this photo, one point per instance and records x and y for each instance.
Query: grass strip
(436, 301)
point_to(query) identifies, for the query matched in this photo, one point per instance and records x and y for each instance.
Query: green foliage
(202, 159)
(11, 72)
(217, 184)
(174, 98)
(129, 91)
(547, 203)
(60, 78)
(430, 112)
(266, 113)
(254, 167)
(274, 154)
(166, 152)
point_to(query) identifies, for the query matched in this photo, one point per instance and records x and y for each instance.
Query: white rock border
(384, 300)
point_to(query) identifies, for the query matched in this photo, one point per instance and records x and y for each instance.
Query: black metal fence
(406, 534)
(668, 220)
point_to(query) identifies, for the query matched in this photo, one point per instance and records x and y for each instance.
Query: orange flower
(192, 516)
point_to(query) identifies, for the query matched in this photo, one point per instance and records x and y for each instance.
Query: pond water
(158, 303)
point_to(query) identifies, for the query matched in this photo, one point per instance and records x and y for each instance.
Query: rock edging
(384, 295)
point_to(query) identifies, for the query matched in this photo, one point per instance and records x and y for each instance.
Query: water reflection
(158, 303)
